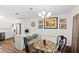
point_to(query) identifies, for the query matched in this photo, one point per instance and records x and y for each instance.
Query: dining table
(46, 46)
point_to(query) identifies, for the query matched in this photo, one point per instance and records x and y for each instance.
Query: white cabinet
(19, 42)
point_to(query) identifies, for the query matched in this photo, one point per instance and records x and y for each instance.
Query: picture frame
(62, 26)
(51, 23)
(62, 23)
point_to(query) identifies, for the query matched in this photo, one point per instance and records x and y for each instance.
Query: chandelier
(44, 14)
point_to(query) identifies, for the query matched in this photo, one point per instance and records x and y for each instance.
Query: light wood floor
(8, 46)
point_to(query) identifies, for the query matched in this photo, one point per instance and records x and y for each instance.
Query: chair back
(32, 37)
(26, 45)
(61, 42)
(28, 39)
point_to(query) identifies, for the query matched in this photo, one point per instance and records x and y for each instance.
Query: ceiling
(31, 11)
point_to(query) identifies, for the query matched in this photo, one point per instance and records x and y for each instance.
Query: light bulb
(42, 16)
(39, 14)
(43, 12)
(49, 14)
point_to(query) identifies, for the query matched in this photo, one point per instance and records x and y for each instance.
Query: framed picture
(51, 23)
(62, 20)
(62, 23)
(62, 26)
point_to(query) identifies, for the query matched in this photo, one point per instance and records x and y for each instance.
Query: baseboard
(9, 38)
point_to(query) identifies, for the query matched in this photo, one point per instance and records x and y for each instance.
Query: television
(26, 30)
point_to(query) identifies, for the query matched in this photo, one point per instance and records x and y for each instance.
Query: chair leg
(27, 50)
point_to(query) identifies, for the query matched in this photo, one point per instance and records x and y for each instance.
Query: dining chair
(26, 45)
(61, 43)
(27, 48)
(32, 37)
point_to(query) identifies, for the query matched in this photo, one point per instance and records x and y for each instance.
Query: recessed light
(16, 13)
(30, 8)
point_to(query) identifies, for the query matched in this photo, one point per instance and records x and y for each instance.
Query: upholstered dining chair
(26, 45)
(61, 43)
(27, 48)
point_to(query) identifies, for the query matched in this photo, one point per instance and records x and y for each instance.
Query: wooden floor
(8, 46)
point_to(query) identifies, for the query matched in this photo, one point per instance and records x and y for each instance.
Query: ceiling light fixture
(44, 14)
(39, 14)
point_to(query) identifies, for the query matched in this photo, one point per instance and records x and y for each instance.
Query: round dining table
(49, 47)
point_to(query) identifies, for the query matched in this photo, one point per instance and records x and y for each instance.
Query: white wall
(50, 34)
(75, 11)
(66, 32)
(53, 33)
(6, 26)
